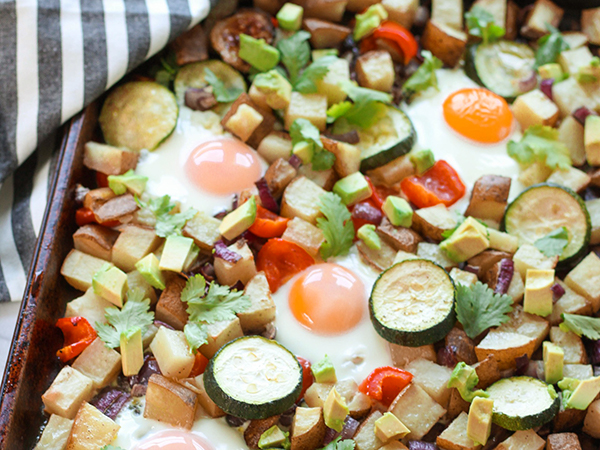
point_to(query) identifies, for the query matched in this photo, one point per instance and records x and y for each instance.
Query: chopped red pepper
(281, 260)
(101, 180)
(268, 224)
(385, 383)
(307, 376)
(440, 184)
(199, 365)
(83, 216)
(78, 335)
(395, 37)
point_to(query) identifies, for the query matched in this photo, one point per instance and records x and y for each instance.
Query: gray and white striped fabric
(57, 56)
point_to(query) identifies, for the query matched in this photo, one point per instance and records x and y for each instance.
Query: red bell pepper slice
(101, 180)
(396, 36)
(83, 216)
(268, 224)
(200, 364)
(307, 376)
(440, 184)
(281, 260)
(385, 383)
(78, 335)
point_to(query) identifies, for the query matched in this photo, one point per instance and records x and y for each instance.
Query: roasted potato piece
(505, 346)
(331, 10)
(219, 334)
(262, 308)
(90, 306)
(417, 410)
(575, 179)
(170, 402)
(79, 268)
(308, 429)
(279, 174)
(535, 108)
(375, 70)
(322, 178)
(277, 144)
(456, 405)
(259, 132)
(306, 235)
(191, 46)
(347, 156)
(489, 198)
(393, 172)
(571, 344)
(401, 11)
(563, 441)
(591, 424)
(67, 392)
(119, 208)
(95, 240)
(97, 197)
(205, 401)
(378, 259)
(463, 345)
(485, 261)
(325, 34)
(447, 43)
(172, 353)
(312, 107)
(99, 363)
(433, 378)
(55, 434)
(256, 428)
(301, 199)
(567, 419)
(431, 222)
(399, 238)
(229, 273)
(455, 436)
(585, 279)
(365, 437)
(402, 356)
(132, 245)
(590, 24)
(204, 230)
(544, 12)
(448, 12)
(108, 159)
(487, 371)
(523, 440)
(91, 429)
(170, 309)
(526, 324)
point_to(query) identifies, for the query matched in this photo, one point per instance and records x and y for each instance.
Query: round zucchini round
(412, 303)
(253, 377)
(521, 403)
(543, 208)
(138, 115)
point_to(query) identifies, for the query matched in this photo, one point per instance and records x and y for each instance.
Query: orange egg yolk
(328, 299)
(174, 440)
(478, 114)
(223, 166)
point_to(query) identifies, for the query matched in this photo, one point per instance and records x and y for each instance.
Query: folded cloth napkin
(57, 56)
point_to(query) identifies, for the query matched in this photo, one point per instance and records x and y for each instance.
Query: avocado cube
(551, 71)
(320, 53)
(398, 211)
(353, 189)
(469, 239)
(304, 150)
(335, 410)
(479, 424)
(289, 17)
(129, 181)
(177, 253)
(258, 53)
(238, 220)
(132, 352)
(423, 160)
(538, 292)
(323, 371)
(388, 427)
(148, 267)
(275, 89)
(369, 236)
(369, 20)
(553, 362)
(579, 394)
(272, 438)
(591, 139)
(110, 283)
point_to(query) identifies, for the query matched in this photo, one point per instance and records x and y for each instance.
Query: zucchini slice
(412, 303)
(543, 208)
(253, 378)
(138, 115)
(192, 76)
(521, 403)
(502, 66)
(389, 138)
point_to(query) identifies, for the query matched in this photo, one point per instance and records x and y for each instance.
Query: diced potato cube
(402, 356)
(99, 363)
(571, 345)
(434, 253)
(534, 108)
(463, 277)
(544, 12)
(417, 410)
(505, 346)
(365, 437)
(431, 222)
(523, 440)
(248, 117)
(590, 20)
(242, 270)
(444, 41)
(262, 308)
(205, 401)
(489, 197)
(325, 34)
(563, 441)
(322, 178)
(55, 434)
(219, 334)
(393, 172)
(502, 241)
(570, 95)
(497, 8)
(534, 174)
(331, 10)
(359, 5)
(306, 235)
(312, 107)
(132, 245)
(275, 145)
(95, 240)
(91, 429)
(316, 395)
(529, 257)
(433, 378)
(401, 11)
(578, 371)
(170, 309)
(585, 279)
(204, 230)
(455, 436)
(90, 306)
(575, 39)
(379, 259)
(448, 12)
(572, 60)
(572, 178)
(526, 324)
(329, 85)
(516, 288)
(172, 353)
(591, 139)
(308, 429)
(67, 392)
(375, 70)
(79, 269)
(108, 159)
(347, 156)
(170, 402)
(302, 199)
(244, 122)
(279, 174)
(591, 423)
(571, 303)
(570, 133)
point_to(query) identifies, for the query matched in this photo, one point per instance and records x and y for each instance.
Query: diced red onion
(505, 275)
(221, 214)
(110, 401)
(330, 435)
(557, 292)
(295, 162)
(270, 331)
(529, 83)
(113, 410)
(350, 427)
(351, 137)
(149, 368)
(160, 323)
(522, 362)
(208, 272)
(365, 211)
(221, 251)
(471, 269)
(235, 202)
(446, 356)
(199, 99)
(546, 87)
(234, 422)
(581, 113)
(421, 445)
(266, 197)
(593, 349)
(138, 390)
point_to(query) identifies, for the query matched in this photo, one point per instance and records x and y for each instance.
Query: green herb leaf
(581, 325)
(316, 71)
(194, 288)
(338, 110)
(550, 46)
(220, 303)
(479, 308)
(336, 225)
(338, 444)
(135, 315)
(222, 94)
(196, 335)
(323, 160)
(167, 223)
(368, 104)
(540, 144)
(481, 23)
(303, 130)
(295, 53)
(553, 243)
(424, 77)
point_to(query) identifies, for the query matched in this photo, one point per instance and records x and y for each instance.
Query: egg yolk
(328, 299)
(174, 440)
(478, 114)
(223, 166)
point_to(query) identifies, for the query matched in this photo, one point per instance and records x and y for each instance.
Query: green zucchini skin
(414, 338)
(238, 408)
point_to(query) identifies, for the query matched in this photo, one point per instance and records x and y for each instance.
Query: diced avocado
(353, 189)
(258, 53)
(369, 236)
(538, 292)
(423, 160)
(335, 410)
(552, 70)
(276, 89)
(273, 438)
(323, 371)
(110, 283)
(479, 424)
(148, 268)
(176, 252)
(289, 17)
(368, 21)
(469, 239)
(132, 352)
(592, 139)
(388, 427)
(320, 53)
(304, 150)
(129, 181)
(398, 211)
(579, 394)
(464, 379)
(238, 220)
(553, 362)
(589, 73)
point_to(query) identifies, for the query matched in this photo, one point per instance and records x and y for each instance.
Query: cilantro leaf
(338, 110)
(481, 23)
(553, 243)
(222, 93)
(194, 289)
(424, 77)
(540, 144)
(479, 308)
(368, 104)
(581, 325)
(134, 315)
(295, 53)
(303, 130)
(550, 46)
(167, 223)
(196, 335)
(336, 225)
(316, 71)
(323, 160)
(220, 303)
(338, 444)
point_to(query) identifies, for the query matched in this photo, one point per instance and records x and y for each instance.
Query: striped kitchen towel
(57, 56)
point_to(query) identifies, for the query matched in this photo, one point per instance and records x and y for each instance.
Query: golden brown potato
(544, 12)
(191, 46)
(91, 429)
(256, 428)
(120, 208)
(132, 245)
(170, 402)
(170, 309)
(279, 174)
(463, 345)
(456, 404)
(97, 197)
(265, 126)
(332, 10)
(567, 419)
(487, 371)
(448, 44)
(308, 429)
(375, 70)
(393, 172)
(563, 441)
(365, 437)
(590, 24)
(325, 34)
(347, 156)
(108, 159)
(378, 259)
(505, 346)
(79, 268)
(306, 235)
(399, 238)
(431, 222)
(95, 240)
(489, 198)
(485, 260)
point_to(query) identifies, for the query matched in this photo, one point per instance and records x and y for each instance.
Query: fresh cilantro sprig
(306, 83)
(134, 315)
(480, 23)
(553, 243)
(581, 325)
(336, 226)
(550, 46)
(479, 308)
(303, 130)
(338, 444)
(167, 223)
(367, 107)
(196, 335)
(222, 93)
(540, 144)
(424, 77)
(295, 53)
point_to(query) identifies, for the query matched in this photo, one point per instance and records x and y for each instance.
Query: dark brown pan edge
(31, 361)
